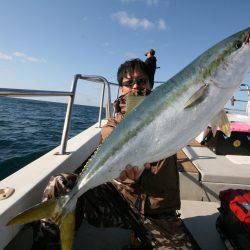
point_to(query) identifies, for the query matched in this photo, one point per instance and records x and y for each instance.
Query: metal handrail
(101, 79)
(247, 87)
(71, 94)
(229, 109)
(159, 82)
(27, 92)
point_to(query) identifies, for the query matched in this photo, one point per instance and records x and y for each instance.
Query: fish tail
(37, 212)
(67, 230)
(49, 209)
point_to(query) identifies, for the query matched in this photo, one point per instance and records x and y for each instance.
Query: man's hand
(132, 172)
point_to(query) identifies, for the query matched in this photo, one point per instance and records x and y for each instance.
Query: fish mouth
(247, 40)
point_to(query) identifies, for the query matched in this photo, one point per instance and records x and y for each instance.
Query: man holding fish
(153, 193)
(163, 123)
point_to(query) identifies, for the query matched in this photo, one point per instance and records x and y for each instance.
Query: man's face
(136, 83)
(149, 55)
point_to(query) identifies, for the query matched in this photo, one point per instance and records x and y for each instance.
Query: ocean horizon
(31, 128)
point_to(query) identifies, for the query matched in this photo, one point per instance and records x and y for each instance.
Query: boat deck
(200, 218)
(218, 172)
(202, 175)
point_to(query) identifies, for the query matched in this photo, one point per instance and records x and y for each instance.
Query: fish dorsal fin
(133, 101)
(221, 121)
(197, 97)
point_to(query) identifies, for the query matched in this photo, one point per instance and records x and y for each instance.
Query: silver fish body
(161, 125)
(172, 115)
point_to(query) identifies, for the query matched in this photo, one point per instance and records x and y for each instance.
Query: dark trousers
(104, 206)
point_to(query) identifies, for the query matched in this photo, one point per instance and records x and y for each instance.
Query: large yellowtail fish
(164, 122)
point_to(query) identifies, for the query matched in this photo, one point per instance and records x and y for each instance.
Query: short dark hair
(129, 67)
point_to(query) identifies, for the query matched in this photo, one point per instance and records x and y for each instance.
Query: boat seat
(217, 168)
(216, 173)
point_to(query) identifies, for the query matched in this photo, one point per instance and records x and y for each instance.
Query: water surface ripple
(29, 129)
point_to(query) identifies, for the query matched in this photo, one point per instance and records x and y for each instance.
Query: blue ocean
(29, 129)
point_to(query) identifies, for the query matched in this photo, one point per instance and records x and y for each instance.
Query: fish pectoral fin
(67, 231)
(221, 121)
(224, 123)
(37, 212)
(197, 97)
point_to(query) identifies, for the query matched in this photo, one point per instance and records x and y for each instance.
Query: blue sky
(44, 43)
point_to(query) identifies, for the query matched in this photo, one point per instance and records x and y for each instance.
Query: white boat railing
(71, 94)
(243, 88)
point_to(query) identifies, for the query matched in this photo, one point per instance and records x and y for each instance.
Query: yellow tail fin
(39, 211)
(47, 209)
(67, 230)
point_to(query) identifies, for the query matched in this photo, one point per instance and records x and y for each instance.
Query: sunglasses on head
(139, 81)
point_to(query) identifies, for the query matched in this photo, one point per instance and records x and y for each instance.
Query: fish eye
(238, 44)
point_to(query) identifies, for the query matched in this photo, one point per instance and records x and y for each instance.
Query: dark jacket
(151, 63)
(157, 190)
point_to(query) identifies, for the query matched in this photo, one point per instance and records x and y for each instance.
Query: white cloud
(26, 58)
(161, 24)
(124, 19)
(19, 54)
(5, 57)
(148, 2)
(32, 59)
(132, 22)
